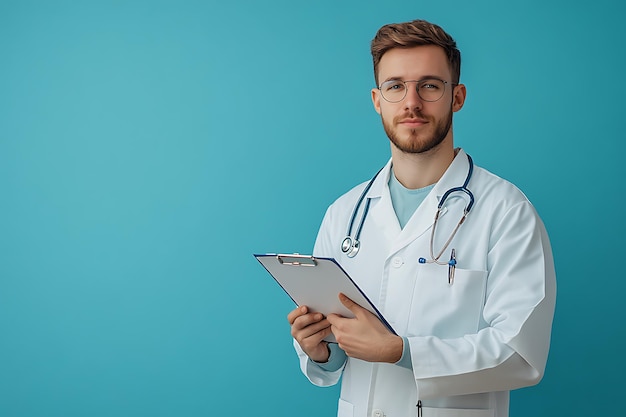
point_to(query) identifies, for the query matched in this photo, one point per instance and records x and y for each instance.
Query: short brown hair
(415, 33)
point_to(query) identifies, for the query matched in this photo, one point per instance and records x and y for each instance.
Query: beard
(414, 144)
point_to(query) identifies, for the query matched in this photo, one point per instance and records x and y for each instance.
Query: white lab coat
(470, 342)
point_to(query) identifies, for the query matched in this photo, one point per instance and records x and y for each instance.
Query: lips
(413, 122)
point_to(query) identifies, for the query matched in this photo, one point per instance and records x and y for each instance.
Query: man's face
(412, 124)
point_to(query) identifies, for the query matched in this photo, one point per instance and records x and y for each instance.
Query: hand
(309, 330)
(364, 336)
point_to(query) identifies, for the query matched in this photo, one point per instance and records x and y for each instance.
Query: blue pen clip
(451, 267)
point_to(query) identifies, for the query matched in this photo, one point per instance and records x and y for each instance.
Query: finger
(307, 320)
(322, 334)
(304, 332)
(294, 314)
(315, 346)
(319, 335)
(333, 319)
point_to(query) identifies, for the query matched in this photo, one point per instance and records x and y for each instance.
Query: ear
(376, 99)
(458, 99)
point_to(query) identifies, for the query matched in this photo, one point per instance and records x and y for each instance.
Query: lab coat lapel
(382, 214)
(420, 222)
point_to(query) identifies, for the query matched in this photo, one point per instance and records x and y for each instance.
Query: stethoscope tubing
(351, 245)
(462, 188)
(358, 205)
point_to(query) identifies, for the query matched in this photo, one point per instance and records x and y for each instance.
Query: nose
(412, 99)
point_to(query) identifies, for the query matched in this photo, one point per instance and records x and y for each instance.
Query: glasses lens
(431, 90)
(393, 90)
(428, 90)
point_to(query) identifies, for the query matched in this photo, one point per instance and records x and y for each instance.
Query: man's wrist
(327, 357)
(395, 349)
(336, 359)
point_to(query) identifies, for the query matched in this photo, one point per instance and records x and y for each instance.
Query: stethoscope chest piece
(350, 247)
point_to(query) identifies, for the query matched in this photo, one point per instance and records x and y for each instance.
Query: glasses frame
(406, 89)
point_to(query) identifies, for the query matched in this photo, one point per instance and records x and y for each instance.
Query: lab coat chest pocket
(447, 310)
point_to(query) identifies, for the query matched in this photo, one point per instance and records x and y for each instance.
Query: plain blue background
(148, 148)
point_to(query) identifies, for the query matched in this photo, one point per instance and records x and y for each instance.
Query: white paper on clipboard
(316, 283)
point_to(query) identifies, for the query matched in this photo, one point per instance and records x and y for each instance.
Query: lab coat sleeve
(315, 373)
(511, 350)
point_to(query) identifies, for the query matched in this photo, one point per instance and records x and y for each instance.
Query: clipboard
(316, 283)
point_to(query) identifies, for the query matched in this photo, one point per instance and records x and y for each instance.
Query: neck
(421, 170)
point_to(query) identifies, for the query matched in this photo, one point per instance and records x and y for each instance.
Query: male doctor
(471, 299)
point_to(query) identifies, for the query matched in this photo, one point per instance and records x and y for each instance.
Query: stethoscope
(351, 245)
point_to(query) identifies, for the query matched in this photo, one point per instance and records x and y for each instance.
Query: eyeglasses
(429, 89)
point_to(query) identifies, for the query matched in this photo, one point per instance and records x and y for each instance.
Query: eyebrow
(424, 77)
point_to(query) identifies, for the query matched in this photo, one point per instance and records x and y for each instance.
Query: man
(470, 299)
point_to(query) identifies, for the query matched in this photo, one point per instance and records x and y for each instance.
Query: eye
(431, 85)
(393, 86)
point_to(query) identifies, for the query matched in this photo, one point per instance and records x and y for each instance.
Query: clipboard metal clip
(296, 260)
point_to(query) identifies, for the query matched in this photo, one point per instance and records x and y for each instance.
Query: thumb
(349, 304)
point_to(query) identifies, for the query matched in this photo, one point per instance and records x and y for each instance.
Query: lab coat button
(397, 262)
(378, 413)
